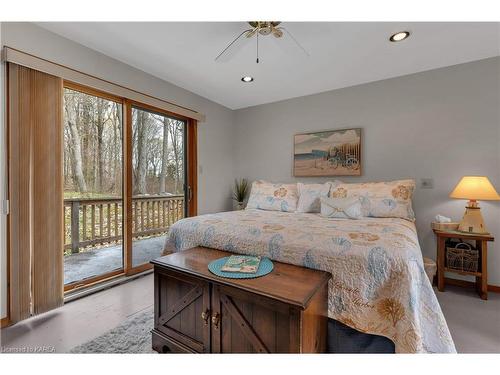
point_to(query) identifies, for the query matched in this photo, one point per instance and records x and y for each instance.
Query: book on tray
(241, 263)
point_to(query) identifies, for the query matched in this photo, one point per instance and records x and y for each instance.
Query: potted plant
(240, 191)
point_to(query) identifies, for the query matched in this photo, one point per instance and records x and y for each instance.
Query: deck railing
(89, 221)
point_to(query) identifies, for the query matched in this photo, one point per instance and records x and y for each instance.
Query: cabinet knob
(205, 315)
(216, 320)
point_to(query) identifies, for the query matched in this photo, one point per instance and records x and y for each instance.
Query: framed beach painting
(327, 153)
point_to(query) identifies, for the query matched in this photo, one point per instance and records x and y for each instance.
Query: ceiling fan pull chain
(263, 28)
(257, 48)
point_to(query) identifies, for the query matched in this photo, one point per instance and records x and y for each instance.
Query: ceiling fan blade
(277, 32)
(233, 47)
(295, 41)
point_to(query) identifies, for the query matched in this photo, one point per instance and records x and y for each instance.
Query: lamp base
(472, 221)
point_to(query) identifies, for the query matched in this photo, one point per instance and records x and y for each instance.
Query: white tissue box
(444, 226)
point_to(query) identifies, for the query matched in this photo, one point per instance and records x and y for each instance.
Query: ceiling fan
(258, 28)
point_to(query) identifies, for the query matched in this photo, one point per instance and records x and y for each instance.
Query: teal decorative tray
(265, 267)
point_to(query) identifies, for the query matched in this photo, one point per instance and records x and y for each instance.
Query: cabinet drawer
(162, 344)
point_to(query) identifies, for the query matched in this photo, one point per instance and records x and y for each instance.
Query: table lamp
(474, 188)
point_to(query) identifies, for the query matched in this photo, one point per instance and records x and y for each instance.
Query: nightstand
(481, 245)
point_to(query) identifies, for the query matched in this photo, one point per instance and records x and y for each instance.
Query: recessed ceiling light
(247, 79)
(398, 37)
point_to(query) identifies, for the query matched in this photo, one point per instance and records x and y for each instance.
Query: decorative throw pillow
(342, 208)
(274, 197)
(388, 207)
(309, 196)
(380, 199)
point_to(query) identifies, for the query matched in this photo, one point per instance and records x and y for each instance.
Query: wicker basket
(462, 257)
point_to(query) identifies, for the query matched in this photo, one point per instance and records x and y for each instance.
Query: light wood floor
(82, 320)
(474, 323)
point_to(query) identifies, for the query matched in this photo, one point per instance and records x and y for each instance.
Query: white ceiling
(341, 54)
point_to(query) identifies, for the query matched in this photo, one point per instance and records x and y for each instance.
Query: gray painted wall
(441, 124)
(214, 146)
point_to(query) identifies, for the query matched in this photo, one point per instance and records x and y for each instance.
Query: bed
(379, 294)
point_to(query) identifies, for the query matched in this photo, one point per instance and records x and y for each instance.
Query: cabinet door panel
(249, 324)
(181, 300)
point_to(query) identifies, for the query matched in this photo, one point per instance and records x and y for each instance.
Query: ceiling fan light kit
(265, 28)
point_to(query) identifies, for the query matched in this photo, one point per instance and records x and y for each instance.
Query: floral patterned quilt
(378, 283)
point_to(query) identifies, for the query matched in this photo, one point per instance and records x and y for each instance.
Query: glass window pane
(93, 176)
(157, 181)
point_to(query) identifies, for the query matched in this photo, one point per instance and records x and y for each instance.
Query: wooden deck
(96, 262)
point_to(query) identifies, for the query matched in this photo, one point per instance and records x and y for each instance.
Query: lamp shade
(475, 188)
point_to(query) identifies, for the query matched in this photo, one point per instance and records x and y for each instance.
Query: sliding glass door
(128, 169)
(93, 175)
(158, 181)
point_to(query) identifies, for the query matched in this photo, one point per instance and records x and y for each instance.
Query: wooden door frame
(192, 166)
(191, 175)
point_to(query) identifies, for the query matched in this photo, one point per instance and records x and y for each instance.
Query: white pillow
(309, 196)
(342, 208)
(273, 197)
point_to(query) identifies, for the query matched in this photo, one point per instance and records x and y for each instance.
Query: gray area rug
(132, 336)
